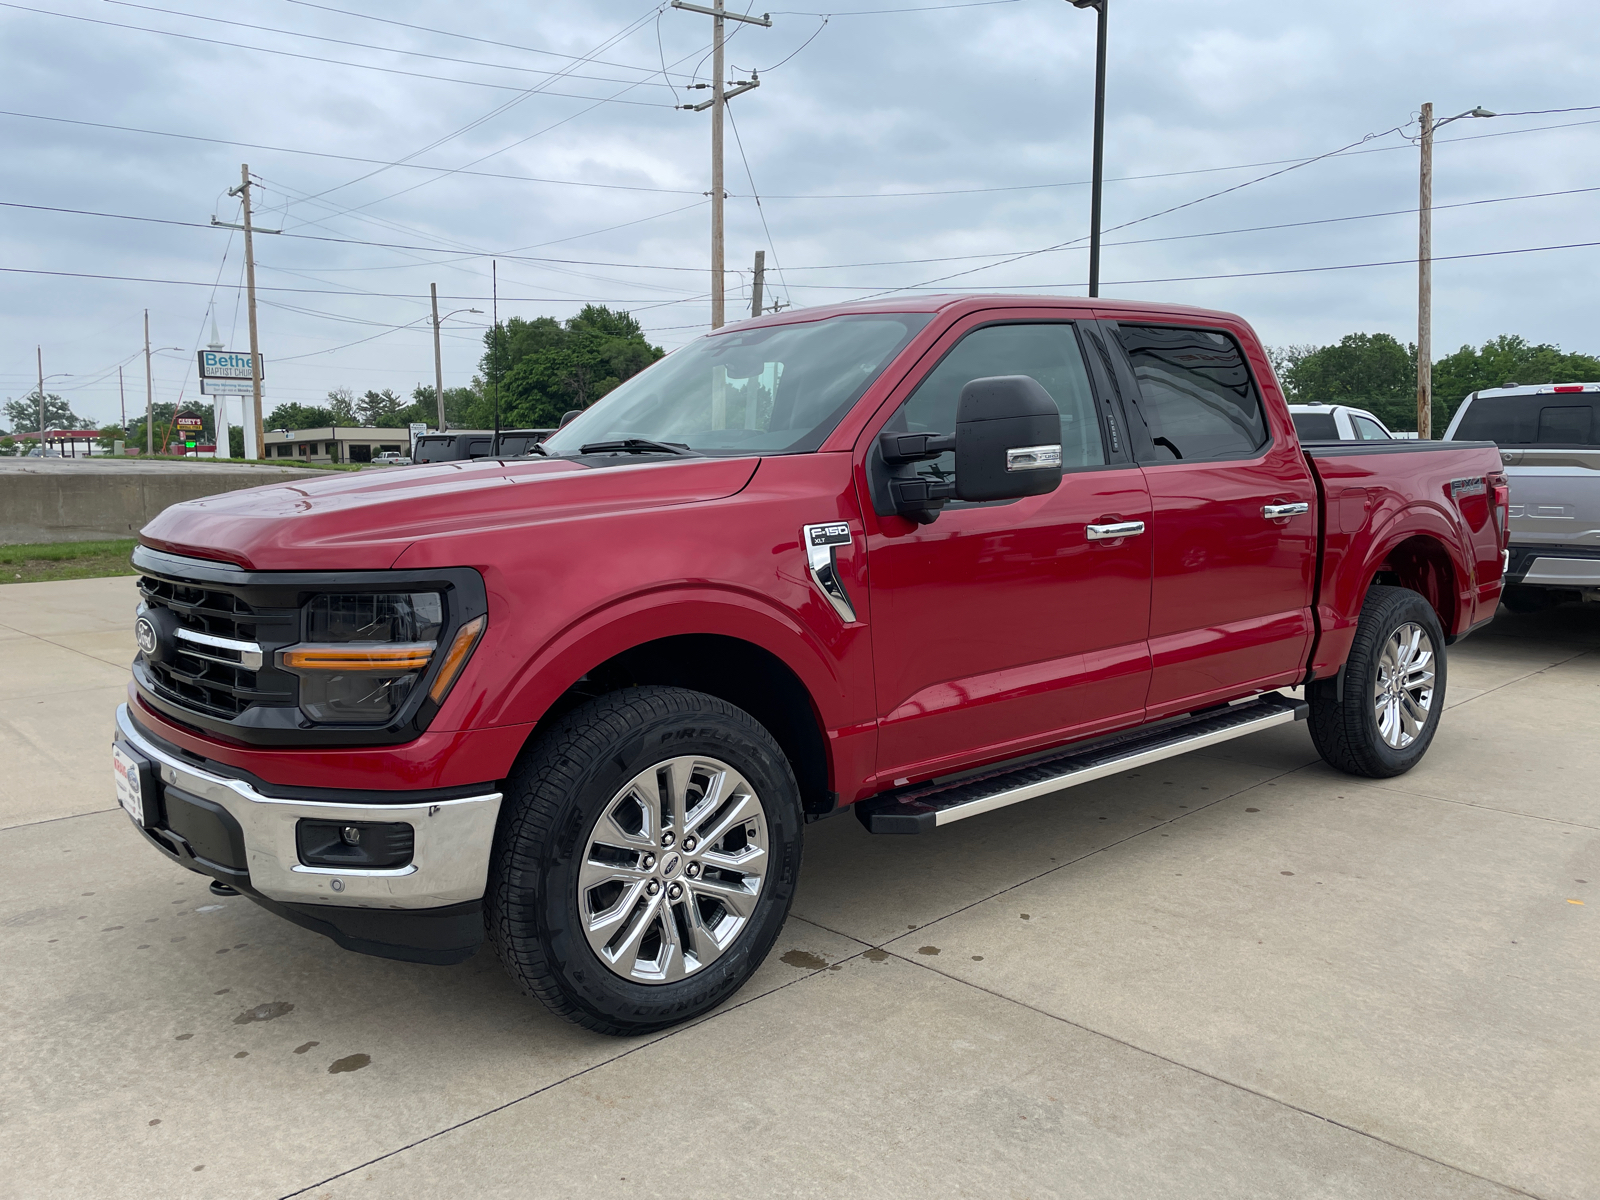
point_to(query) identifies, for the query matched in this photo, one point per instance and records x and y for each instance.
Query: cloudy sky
(404, 143)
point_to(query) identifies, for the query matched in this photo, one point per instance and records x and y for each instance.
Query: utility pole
(720, 95)
(40, 351)
(756, 283)
(122, 398)
(1425, 267)
(149, 393)
(254, 435)
(1425, 282)
(1099, 139)
(438, 363)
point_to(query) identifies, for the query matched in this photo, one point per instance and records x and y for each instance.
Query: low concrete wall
(79, 500)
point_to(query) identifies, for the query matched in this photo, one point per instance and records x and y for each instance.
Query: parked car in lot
(511, 443)
(391, 458)
(918, 558)
(1549, 439)
(1337, 423)
(453, 446)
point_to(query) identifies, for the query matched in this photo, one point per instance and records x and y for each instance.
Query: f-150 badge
(821, 546)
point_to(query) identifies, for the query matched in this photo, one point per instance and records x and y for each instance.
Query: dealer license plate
(130, 782)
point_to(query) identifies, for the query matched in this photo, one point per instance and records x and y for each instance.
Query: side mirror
(568, 417)
(1007, 445)
(1008, 439)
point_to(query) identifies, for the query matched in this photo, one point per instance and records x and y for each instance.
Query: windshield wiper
(635, 445)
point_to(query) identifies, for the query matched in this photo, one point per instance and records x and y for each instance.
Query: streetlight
(438, 364)
(42, 377)
(1099, 139)
(1425, 268)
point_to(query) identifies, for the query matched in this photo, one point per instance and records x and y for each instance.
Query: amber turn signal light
(348, 657)
(456, 658)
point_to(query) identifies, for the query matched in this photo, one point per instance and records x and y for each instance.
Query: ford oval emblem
(144, 632)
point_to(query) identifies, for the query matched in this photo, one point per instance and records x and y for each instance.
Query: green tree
(1368, 370)
(110, 434)
(1504, 360)
(539, 369)
(23, 415)
(341, 406)
(460, 403)
(298, 416)
(380, 410)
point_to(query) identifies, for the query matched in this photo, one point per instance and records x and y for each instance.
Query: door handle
(1119, 529)
(1274, 511)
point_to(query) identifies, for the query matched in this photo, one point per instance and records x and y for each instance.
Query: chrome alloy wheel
(672, 869)
(1403, 692)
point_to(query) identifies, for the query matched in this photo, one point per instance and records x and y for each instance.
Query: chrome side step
(925, 807)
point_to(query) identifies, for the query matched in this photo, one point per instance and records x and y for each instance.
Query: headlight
(365, 653)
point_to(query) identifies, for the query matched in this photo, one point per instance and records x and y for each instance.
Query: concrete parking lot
(1234, 974)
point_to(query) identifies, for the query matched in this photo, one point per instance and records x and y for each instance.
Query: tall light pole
(1425, 268)
(1099, 139)
(438, 362)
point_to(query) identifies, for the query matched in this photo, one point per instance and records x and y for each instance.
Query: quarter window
(1196, 395)
(1047, 352)
(1368, 430)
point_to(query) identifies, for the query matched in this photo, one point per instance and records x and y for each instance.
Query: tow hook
(218, 888)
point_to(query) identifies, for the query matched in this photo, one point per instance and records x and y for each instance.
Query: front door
(1233, 530)
(1007, 626)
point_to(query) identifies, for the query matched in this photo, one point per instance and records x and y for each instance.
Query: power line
(655, 303)
(192, 37)
(317, 37)
(771, 245)
(515, 256)
(615, 38)
(627, 187)
(876, 12)
(498, 44)
(313, 291)
(1161, 213)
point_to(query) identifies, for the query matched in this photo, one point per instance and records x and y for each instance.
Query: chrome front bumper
(449, 865)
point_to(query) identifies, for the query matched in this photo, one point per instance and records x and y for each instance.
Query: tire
(600, 859)
(1348, 733)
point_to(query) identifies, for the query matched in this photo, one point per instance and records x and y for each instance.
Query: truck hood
(364, 520)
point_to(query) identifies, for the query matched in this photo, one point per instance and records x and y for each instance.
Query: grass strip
(40, 562)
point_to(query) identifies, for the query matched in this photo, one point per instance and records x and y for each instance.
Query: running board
(925, 807)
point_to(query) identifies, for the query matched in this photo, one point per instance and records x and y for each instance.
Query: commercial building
(338, 443)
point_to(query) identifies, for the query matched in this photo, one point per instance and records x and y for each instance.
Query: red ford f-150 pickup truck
(920, 559)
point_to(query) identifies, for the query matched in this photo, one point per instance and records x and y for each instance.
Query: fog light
(369, 845)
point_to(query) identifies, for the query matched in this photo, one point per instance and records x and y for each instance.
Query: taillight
(1500, 502)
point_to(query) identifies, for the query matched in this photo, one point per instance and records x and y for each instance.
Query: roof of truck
(973, 302)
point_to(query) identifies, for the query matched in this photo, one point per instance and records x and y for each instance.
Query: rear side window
(1368, 430)
(1196, 395)
(1316, 427)
(1526, 421)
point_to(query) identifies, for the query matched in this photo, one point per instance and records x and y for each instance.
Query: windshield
(778, 390)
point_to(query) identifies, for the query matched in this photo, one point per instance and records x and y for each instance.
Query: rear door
(1004, 626)
(1233, 526)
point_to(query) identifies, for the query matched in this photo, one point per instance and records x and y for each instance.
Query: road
(1234, 974)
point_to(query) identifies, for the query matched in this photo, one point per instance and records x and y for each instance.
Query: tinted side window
(1196, 395)
(1047, 352)
(1315, 427)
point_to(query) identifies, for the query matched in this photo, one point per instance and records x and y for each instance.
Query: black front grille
(211, 679)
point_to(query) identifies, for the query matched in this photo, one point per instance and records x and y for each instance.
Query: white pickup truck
(1549, 439)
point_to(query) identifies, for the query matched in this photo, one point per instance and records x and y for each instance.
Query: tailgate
(1555, 496)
